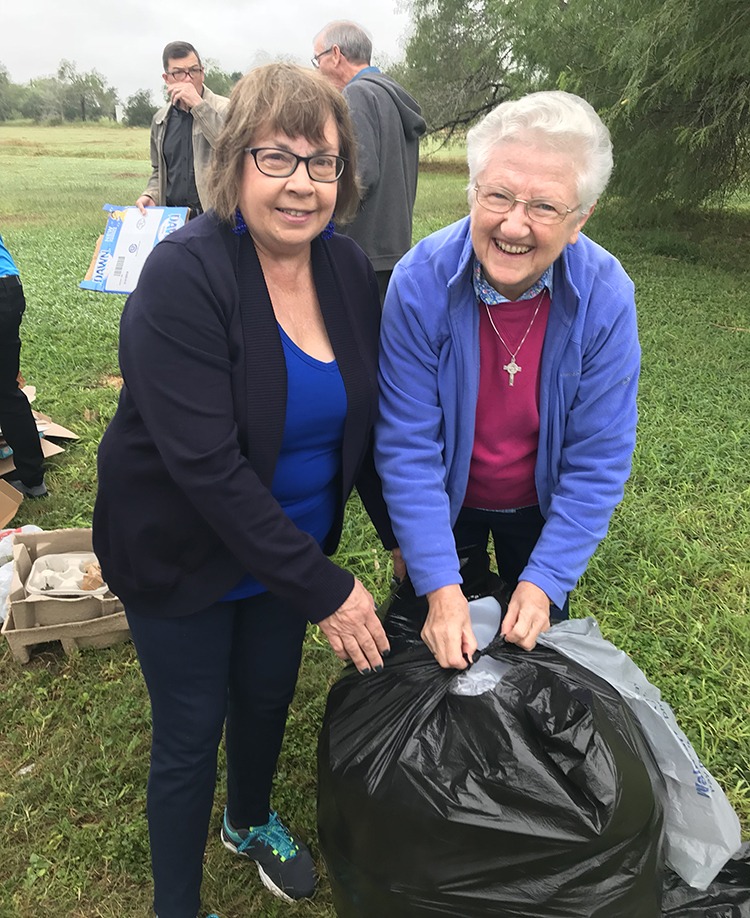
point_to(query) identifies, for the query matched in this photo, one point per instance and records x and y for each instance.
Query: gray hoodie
(388, 123)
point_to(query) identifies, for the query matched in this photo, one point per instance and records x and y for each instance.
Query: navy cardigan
(184, 507)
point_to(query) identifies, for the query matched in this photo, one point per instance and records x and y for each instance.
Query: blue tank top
(7, 265)
(305, 482)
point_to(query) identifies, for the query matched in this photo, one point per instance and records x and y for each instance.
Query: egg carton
(39, 609)
(64, 574)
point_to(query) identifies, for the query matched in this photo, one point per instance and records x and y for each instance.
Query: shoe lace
(276, 835)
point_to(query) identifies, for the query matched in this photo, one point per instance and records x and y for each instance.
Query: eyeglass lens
(501, 201)
(181, 72)
(316, 57)
(281, 164)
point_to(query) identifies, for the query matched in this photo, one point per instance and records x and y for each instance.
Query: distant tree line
(670, 78)
(72, 96)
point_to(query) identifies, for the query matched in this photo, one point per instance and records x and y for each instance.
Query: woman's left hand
(527, 616)
(354, 631)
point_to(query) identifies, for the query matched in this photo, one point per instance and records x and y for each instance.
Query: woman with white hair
(508, 375)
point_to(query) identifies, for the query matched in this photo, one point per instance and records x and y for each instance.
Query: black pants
(235, 660)
(16, 420)
(383, 281)
(514, 534)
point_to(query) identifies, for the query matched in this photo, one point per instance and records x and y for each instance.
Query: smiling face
(515, 251)
(284, 215)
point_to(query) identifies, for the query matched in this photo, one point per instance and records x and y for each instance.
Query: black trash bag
(727, 897)
(538, 799)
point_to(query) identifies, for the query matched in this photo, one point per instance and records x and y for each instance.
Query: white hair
(561, 121)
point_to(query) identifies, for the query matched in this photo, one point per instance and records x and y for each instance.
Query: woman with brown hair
(248, 353)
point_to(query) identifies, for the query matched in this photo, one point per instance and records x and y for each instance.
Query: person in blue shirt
(16, 420)
(249, 359)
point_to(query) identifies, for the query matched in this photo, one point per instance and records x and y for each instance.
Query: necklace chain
(511, 368)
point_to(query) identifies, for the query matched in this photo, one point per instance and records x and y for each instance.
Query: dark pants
(16, 420)
(235, 660)
(514, 534)
(383, 279)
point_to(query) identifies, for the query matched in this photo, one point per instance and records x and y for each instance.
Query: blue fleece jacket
(429, 382)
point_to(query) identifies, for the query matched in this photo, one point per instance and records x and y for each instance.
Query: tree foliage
(218, 80)
(84, 96)
(671, 78)
(139, 109)
(458, 61)
(67, 96)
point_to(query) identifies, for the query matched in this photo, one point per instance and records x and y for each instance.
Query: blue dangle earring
(329, 230)
(240, 227)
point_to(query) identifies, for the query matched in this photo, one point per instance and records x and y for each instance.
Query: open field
(669, 584)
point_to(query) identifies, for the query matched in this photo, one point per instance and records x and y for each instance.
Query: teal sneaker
(285, 865)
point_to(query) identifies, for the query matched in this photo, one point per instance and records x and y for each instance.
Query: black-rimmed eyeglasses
(179, 73)
(502, 201)
(322, 167)
(315, 59)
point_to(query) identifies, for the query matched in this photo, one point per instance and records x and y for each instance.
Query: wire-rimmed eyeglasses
(501, 201)
(322, 167)
(315, 59)
(179, 73)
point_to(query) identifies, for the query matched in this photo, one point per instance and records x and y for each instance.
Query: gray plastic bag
(702, 830)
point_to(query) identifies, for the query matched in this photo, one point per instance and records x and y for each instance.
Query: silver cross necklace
(511, 368)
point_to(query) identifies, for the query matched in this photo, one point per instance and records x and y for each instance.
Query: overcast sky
(124, 40)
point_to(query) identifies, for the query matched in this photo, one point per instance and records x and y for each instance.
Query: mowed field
(669, 585)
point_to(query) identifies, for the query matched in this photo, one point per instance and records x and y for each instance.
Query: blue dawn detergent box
(128, 239)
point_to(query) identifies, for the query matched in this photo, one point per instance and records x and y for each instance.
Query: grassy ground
(669, 584)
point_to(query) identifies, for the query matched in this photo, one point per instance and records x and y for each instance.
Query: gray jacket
(208, 120)
(388, 123)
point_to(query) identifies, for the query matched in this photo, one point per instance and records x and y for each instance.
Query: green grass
(669, 584)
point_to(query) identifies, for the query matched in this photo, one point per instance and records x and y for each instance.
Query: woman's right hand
(447, 630)
(354, 631)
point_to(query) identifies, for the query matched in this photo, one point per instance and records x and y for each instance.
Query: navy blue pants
(235, 661)
(514, 535)
(16, 420)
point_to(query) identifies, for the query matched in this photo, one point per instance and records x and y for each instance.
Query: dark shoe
(31, 491)
(285, 865)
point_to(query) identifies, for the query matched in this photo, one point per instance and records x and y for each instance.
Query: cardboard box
(119, 255)
(34, 611)
(97, 632)
(10, 501)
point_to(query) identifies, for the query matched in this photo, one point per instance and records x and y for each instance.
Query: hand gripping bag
(533, 800)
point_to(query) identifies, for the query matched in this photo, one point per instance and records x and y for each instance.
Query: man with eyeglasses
(183, 133)
(388, 123)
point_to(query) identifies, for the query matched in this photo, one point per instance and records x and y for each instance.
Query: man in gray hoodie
(388, 124)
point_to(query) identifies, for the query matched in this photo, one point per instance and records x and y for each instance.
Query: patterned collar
(487, 294)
